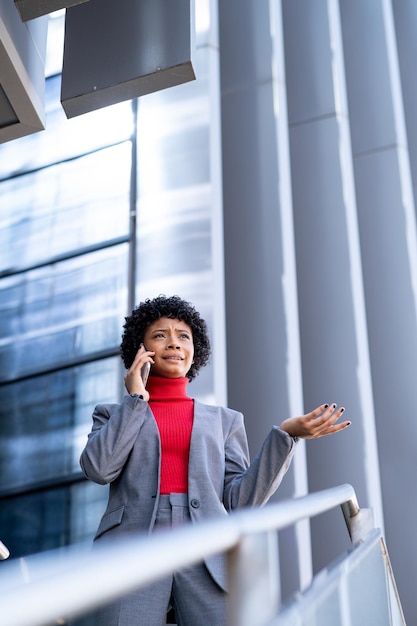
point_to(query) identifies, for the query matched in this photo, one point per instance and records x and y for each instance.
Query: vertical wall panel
(332, 315)
(264, 376)
(405, 16)
(389, 253)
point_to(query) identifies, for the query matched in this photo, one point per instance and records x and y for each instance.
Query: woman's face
(172, 342)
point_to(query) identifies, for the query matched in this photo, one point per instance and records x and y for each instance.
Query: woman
(170, 459)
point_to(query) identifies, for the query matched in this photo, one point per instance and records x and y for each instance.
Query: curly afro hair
(175, 308)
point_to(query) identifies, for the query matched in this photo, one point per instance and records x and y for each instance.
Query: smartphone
(145, 371)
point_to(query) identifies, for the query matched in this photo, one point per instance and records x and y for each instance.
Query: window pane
(52, 518)
(173, 135)
(63, 138)
(92, 194)
(57, 313)
(55, 43)
(45, 420)
(178, 200)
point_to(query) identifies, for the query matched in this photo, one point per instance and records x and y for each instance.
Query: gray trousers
(192, 593)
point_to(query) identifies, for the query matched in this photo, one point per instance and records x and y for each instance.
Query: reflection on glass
(63, 138)
(62, 190)
(51, 315)
(45, 420)
(177, 200)
(51, 519)
(65, 207)
(55, 43)
(174, 135)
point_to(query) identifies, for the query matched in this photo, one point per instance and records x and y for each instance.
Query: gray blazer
(124, 449)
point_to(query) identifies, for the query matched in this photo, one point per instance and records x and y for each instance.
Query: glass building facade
(277, 193)
(84, 235)
(65, 238)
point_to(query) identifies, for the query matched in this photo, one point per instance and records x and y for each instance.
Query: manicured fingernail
(342, 409)
(326, 406)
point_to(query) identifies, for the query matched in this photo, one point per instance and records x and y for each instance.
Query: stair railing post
(254, 582)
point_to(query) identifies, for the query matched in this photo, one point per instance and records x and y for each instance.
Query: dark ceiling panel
(118, 50)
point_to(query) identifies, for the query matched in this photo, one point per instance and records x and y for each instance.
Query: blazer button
(195, 503)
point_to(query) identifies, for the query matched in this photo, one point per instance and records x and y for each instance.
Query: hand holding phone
(136, 376)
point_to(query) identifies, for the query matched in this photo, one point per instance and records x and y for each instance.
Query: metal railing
(4, 552)
(34, 590)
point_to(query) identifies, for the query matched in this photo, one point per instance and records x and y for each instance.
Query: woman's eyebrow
(178, 330)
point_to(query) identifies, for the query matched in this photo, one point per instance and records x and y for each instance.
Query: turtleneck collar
(167, 388)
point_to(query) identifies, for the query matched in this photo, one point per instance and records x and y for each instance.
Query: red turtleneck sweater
(173, 411)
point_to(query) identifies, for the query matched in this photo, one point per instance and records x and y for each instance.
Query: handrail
(44, 594)
(4, 552)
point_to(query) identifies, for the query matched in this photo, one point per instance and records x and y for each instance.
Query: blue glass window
(54, 314)
(65, 207)
(45, 420)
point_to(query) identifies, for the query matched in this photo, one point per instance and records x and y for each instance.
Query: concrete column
(334, 344)
(389, 252)
(263, 359)
(405, 20)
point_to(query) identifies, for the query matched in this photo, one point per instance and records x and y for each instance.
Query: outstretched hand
(318, 423)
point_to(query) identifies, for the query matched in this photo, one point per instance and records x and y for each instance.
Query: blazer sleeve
(253, 484)
(114, 432)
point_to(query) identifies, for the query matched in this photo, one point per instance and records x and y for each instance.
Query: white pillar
(264, 373)
(389, 252)
(334, 344)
